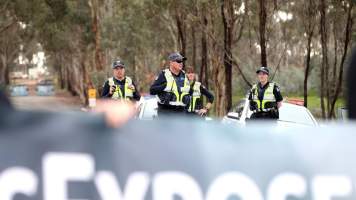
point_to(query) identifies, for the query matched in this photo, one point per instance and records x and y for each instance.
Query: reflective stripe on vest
(196, 95)
(173, 88)
(268, 97)
(118, 93)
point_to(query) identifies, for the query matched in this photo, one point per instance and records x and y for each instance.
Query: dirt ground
(61, 101)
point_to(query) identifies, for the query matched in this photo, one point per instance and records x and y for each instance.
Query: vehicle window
(240, 107)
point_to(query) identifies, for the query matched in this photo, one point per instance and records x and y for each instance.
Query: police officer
(172, 87)
(196, 92)
(120, 87)
(265, 97)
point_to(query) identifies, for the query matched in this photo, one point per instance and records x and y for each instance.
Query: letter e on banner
(59, 168)
(17, 180)
(109, 189)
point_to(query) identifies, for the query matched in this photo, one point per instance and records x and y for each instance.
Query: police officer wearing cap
(172, 87)
(265, 97)
(120, 87)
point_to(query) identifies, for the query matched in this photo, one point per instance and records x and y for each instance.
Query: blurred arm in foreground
(117, 113)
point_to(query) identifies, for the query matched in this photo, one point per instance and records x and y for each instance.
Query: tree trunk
(3, 69)
(86, 82)
(348, 32)
(7, 76)
(307, 68)
(99, 58)
(134, 68)
(69, 74)
(204, 52)
(262, 28)
(216, 61)
(194, 48)
(63, 74)
(181, 32)
(1, 74)
(309, 28)
(218, 76)
(61, 78)
(334, 77)
(85, 85)
(228, 34)
(323, 73)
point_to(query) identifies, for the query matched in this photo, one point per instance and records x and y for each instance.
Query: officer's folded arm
(158, 85)
(156, 89)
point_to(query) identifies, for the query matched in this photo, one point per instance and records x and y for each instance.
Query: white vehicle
(290, 115)
(147, 107)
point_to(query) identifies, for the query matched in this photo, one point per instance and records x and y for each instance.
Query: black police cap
(176, 57)
(118, 63)
(263, 69)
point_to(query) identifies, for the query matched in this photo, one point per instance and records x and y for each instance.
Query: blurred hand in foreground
(117, 113)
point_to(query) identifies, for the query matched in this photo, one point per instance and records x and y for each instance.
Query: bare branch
(6, 4)
(279, 62)
(7, 27)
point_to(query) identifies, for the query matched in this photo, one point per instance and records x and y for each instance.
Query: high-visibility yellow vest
(118, 93)
(195, 96)
(172, 87)
(268, 98)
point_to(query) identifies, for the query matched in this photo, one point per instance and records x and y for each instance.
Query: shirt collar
(117, 80)
(179, 74)
(264, 87)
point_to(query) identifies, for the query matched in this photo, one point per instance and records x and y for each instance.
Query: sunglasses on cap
(263, 72)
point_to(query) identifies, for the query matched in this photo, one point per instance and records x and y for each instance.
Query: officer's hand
(131, 87)
(112, 89)
(253, 106)
(202, 112)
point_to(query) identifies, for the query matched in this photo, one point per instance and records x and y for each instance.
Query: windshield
(295, 114)
(239, 108)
